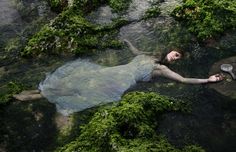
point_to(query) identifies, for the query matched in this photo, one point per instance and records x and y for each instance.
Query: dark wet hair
(161, 58)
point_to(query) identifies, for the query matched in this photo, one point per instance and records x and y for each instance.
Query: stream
(212, 122)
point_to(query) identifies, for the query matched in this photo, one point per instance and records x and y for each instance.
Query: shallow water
(212, 122)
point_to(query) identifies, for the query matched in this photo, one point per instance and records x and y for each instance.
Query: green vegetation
(58, 5)
(70, 32)
(119, 5)
(152, 12)
(129, 126)
(85, 6)
(10, 89)
(207, 19)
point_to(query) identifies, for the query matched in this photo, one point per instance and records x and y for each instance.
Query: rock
(226, 87)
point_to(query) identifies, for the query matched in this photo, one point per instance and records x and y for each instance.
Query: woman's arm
(134, 50)
(162, 70)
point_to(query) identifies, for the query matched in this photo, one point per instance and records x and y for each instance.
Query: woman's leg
(28, 95)
(30, 92)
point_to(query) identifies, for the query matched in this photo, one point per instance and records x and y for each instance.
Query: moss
(86, 6)
(70, 32)
(58, 5)
(9, 90)
(152, 12)
(128, 126)
(206, 19)
(119, 5)
(12, 44)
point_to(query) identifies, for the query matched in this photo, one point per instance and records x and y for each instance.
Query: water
(81, 84)
(212, 122)
(24, 126)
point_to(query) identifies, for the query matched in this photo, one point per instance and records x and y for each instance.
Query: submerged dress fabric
(81, 84)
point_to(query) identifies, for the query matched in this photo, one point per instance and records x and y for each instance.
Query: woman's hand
(215, 78)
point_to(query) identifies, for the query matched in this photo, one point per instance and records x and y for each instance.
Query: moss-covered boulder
(129, 126)
(206, 18)
(70, 32)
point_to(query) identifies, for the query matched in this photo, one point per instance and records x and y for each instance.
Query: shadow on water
(25, 126)
(28, 126)
(211, 123)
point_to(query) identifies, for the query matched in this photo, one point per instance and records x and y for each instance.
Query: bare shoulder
(160, 67)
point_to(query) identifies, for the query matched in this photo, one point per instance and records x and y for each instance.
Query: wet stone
(226, 87)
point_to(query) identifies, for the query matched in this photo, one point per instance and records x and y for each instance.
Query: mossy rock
(128, 126)
(207, 19)
(70, 32)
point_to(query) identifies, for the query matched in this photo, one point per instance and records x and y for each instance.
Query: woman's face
(172, 56)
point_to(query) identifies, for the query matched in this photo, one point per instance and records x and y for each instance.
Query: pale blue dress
(81, 84)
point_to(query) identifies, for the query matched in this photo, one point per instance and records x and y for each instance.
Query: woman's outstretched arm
(162, 70)
(134, 50)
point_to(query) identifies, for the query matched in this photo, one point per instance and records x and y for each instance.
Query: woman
(82, 84)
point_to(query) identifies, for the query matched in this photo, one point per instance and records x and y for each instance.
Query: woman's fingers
(216, 78)
(219, 77)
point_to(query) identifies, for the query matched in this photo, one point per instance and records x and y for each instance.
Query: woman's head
(173, 55)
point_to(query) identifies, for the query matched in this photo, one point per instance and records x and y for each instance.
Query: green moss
(86, 6)
(10, 89)
(70, 32)
(58, 5)
(207, 19)
(128, 126)
(152, 12)
(119, 5)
